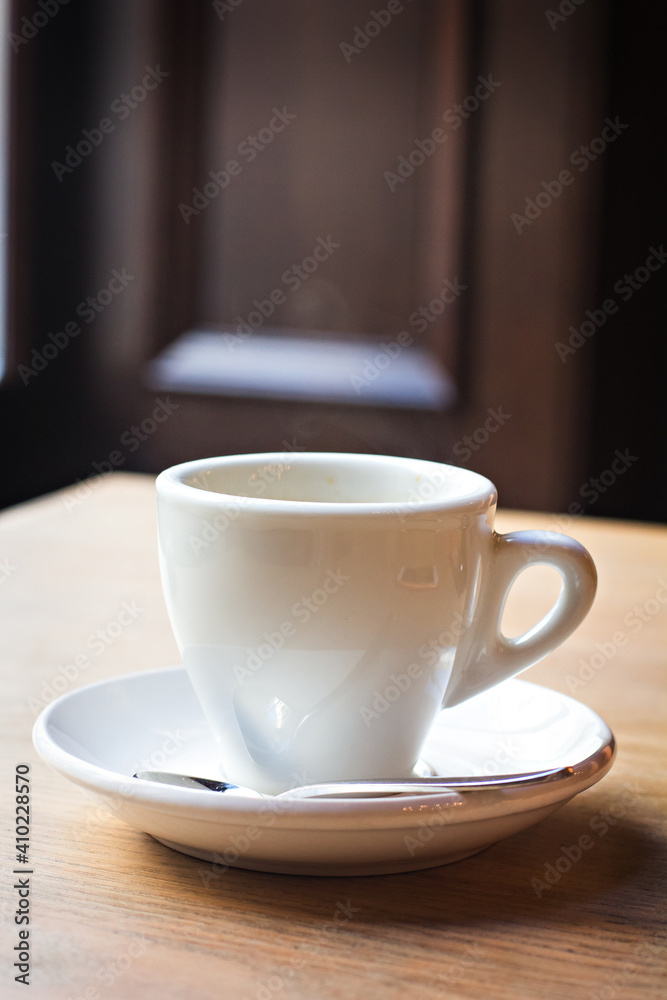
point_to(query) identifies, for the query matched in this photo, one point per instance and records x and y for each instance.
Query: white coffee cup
(328, 606)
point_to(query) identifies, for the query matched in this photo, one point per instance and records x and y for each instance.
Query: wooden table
(117, 915)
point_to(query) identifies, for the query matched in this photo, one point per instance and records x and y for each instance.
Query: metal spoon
(365, 788)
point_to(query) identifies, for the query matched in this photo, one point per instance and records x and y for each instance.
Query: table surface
(117, 915)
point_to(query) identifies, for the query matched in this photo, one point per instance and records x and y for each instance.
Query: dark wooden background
(568, 420)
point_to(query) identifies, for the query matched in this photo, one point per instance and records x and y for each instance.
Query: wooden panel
(527, 286)
(318, 173)
(522, 289)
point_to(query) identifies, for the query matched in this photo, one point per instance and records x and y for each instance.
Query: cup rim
(170, 485)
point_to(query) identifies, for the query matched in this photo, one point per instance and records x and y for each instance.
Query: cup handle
(485, 656)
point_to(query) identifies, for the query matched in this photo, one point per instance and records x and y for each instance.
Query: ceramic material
(98, 736)
(327, 606)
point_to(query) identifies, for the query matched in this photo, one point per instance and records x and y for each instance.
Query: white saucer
(98, 736)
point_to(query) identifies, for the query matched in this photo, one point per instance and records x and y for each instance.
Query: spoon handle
(423, 786)
(190, 781)
(364, 788)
